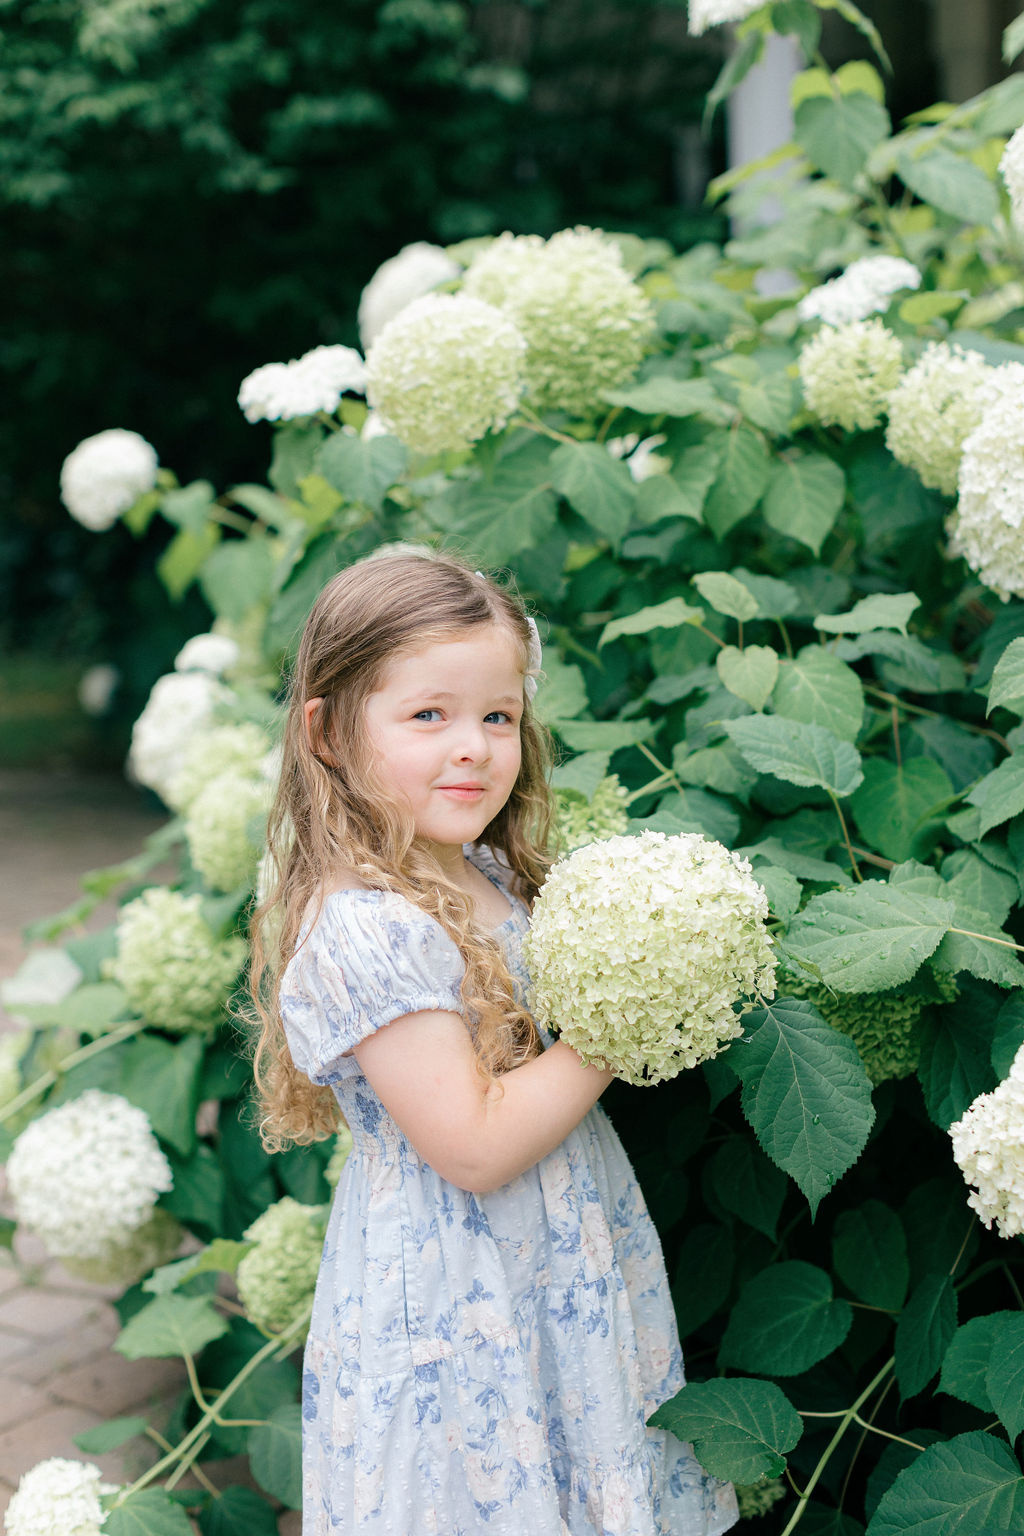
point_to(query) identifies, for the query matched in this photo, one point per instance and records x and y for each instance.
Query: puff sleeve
(370, 958)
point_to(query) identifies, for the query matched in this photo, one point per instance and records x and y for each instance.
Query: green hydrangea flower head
(933, 408)
(884, 1026)
(754, 1499)
(226, 829)
(587, 323)
(154, 1243)
(339, 1157)
(581, 821)
(276, 1279)
(645, 950)
(176, 973)
(849, 371)
(242, 748)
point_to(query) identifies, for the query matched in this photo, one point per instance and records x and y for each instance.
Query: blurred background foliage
(191, 188)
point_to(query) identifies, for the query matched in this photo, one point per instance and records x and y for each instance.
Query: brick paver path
(58, 1374)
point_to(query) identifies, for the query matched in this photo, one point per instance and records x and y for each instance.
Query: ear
(308, 710)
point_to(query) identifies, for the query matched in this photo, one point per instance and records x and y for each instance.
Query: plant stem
(47, 1080)
(988, 937)
(666, 773)
(848, 1416)
(197, 1393)
(534, 424)
(933, 714)
(846, 835)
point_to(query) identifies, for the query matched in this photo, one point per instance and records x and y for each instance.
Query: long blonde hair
(329, 814)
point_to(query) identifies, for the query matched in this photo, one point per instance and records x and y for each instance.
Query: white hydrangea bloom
(579, 821)
(86, 1175)
(179, 705)
(445, 371)
(212, 653)
(987, 525)
(226, 828)
(105, 475)
(58, 1497)
(123, 1263)
(308, 384)
(640, 455)
(640, 947)
(587, 323)
(1011, 168)
(276, 1278)
(174, 970)
(416, 270)
(848, 373)
(242, 748)
(933, 408)
(988, 1148)
(865, 288)
(713, 13)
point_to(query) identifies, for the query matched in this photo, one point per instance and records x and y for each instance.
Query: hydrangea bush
(775, 542)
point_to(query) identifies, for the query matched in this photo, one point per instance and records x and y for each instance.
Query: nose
(473, 744)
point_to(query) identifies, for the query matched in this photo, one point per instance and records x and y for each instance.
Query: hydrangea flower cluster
(445, 371)
(212, 653)
(865, 288)
(276, 1279)
(105, 475)
(988, 1148)
(641, 948)
(580, 821)
(58, 1497)
(86, 1175)
(314, 382)
(232, 749)
(586, 322)
(755, 1499)
(933, 408)
(416, 270)
(179, 705)
(713, 13)
(848, 373)
(640, 455)
(1011, 168)
(884, 1026)
(226, 828)
(174, 970)
(986, 526)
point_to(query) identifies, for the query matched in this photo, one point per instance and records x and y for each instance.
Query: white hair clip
(534, 657)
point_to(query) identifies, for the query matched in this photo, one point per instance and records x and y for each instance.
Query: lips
(467, 790)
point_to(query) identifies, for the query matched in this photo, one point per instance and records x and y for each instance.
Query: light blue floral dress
(477, 1365)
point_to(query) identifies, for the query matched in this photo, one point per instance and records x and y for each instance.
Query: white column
(760, 119)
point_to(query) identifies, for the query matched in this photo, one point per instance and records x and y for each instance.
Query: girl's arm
(475, 1134)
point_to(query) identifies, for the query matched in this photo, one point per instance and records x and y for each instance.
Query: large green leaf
(747, 1185)
(703, 1275)
(869, 937)
(362, 471)
(980, 948)
(882, 610)
(837, 133)
(972, 882)
(924, 1332)
(275, 1451)
(726, 594)
(804, 497)
(950, 182)
(750, 674)
(805, 1093)
(498, 518)
(1008, 1035)
(740, 1430)
(802, 754)
(785, 1321)
(238, 576)
(670, 614)
(896, 808)
(1004, 1379)
(969, 1484)
(663, 396)
(150, 1513)
(965, 1366)
(238, 1512)
(740, 482)
(170, 1325)
(819, 689)
(562, 692)
(1000, 794)
(869, 1251)
(1007, 685)
(163, 1079)
(603, 735)
(599, 487)
(197, 1198)
(956, 1056)
(182, 560)
(109, 1436)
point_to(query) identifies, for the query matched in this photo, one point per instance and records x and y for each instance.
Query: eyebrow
(507, 698)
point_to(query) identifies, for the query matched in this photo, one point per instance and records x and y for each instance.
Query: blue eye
(421, 714)
(498, 717)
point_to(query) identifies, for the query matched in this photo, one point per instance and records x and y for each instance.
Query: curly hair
(331, 815)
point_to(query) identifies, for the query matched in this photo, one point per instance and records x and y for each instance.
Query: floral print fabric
(476, 1363)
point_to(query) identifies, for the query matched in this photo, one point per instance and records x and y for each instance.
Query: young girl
(492, 1323)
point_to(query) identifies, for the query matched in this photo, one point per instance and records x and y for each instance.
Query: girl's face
(444, 728)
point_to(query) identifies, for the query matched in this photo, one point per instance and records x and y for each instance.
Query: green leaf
(90, 1009)
(180, 563)
(967, 951)
(295, 446)
(962, 1485)
(782, 888)
(869, 1251)
(1004, 1379)
(271, 508)
(785, 1321)
(747, 1185)
(956, 1057)
(775, 599)
(170, 1325)
(1013, 40)
(967, 1360)
(275, 1452)
(107, 1437)
(838, 135)
(740, 1430)
(150, 1513)
(598, 486)
(896, 807)
(726, 595)
(921, 308)
(951, 183)
(693, 473)
(163, 1079)
(972, 882)
(718, 768)
(740, 482)
(703, 1275)
(882, 610)
(221, 1254)
(663, 396)
(694, 811)
(660, 497)
(1008, 1036)
(562, 692)
(238, 576)
(908, 663)
(238, 1512)
(1000, 794)
(190, 507)
(819, 1520)
(804, 497)
(819, 689)
(668, 615)
(499, 518)
(805, 1093)
(1007, 685)
(923, 1333)
(197, 1198)
(583, 773)
(750, 674)
(362, 471)
(802, 754)
(870, 937)
(602, 735)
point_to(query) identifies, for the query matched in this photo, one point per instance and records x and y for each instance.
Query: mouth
(462, 791)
